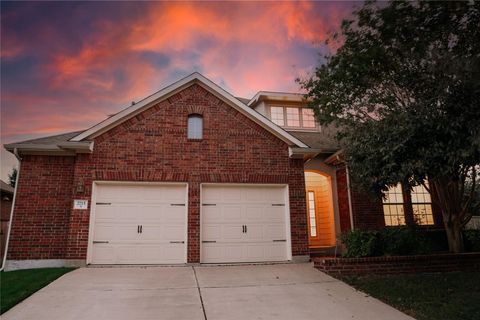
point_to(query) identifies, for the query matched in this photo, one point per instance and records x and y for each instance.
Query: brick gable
(153, 146)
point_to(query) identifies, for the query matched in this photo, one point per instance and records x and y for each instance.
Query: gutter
(4, 259)
(63, 148)
(307, 153)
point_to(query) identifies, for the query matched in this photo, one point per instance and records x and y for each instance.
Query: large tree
(404, 89)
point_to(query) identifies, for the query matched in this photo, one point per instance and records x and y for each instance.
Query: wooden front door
(319, 210)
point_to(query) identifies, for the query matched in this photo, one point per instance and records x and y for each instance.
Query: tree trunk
(455, 237)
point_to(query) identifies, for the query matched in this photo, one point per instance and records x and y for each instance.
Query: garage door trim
(131, 183)
(287, 209)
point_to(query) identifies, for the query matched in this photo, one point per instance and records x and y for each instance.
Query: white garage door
(243, 224)
(139, 224)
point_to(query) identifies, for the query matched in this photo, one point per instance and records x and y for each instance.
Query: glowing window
(393, 206)
(195, 126)
(311, 214)
(308, 118)
(422, 205)
(293, 117)
(277, 115)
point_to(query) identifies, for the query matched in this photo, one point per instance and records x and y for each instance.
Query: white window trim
(285, 120)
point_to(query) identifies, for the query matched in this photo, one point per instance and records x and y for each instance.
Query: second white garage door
(243, 223)
(139, 224)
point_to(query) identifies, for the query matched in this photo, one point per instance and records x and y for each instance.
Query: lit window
(422, 205)
(311, 214)
(195, 126)
(308, 118)
(293, 117)
(277, 115)
(393, 206)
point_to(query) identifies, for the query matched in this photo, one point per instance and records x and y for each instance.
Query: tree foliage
(404, 89)
(12, 177)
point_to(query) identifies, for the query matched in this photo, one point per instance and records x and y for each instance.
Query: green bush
(360, 243)
(399, 241)
(472, 239)
(389, 241)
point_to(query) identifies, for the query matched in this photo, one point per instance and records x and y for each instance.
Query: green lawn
(437, 296)
(15, 286)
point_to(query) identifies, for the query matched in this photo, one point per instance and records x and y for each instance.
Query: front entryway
(138, 224)
(321, 227)
(244, 223)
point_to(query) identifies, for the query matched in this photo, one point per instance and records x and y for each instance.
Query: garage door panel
(218, 253)
(115, 232)
(211, 214)
(121, 209)
(274, 232)
(255, 212)
(260, 208)
(275, 214)
(254, 232)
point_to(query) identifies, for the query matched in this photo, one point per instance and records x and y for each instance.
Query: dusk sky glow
(67, 65)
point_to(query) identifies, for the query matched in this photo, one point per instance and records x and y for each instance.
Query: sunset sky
(67, 65)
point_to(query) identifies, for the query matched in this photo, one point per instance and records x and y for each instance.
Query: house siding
(153, 147)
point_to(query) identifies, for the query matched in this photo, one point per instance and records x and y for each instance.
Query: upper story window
(195, 126)
(308, 118)
(277, 115)
(293, 117)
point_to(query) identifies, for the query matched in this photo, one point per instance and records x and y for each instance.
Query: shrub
(389, 241)
(360, 243)
(404, 241)
(472, 239)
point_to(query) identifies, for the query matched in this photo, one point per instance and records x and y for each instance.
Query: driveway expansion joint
(199, 293)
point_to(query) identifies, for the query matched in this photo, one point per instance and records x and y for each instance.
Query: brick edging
(399, 264)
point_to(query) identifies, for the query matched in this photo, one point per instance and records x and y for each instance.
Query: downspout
(349, 197)
(15, 152)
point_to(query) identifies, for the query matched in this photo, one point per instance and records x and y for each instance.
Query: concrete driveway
(281, 291)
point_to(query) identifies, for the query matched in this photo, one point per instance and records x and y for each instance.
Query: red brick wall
(399, 264)
(153, 146)
(367, 213)
(42, 208)
(342, 195)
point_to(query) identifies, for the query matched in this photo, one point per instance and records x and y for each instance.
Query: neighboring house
(6, 198)
(189, 174)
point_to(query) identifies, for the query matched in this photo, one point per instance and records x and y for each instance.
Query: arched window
(195, 126)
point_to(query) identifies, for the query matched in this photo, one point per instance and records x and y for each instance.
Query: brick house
(190, 174)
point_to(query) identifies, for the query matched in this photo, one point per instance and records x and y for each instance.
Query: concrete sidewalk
(280, 291)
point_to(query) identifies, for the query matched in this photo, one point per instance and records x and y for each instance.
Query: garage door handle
(103, 203)
(278, 205)
(209, 204)
(282, 240)
(209, 241)
(94, 241)
(177, 241)
(177, 204)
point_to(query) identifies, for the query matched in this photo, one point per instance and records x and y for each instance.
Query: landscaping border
(399, 264)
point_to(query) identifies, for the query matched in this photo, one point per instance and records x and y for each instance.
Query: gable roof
(175, 87)
(58, 144)
(276, 96)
